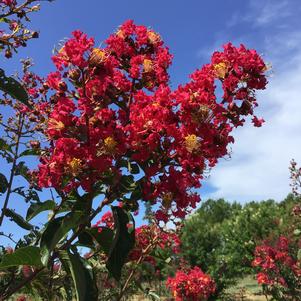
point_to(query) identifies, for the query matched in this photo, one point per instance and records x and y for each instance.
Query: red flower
(193, 285)
(114, 104)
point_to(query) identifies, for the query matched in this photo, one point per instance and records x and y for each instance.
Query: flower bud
(8, 53)
(35, 35)
(34, 144)
(74, 74)
(63, 86)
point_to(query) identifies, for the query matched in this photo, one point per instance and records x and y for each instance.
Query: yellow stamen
(110, 144)
(191, 142)
(147, 65)
(55, 124)
(97, 57)
(167, 199)
(120, 33)
(75, 166)
(153, 37)
(220, 69)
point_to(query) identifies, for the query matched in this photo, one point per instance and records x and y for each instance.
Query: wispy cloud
(265, 12)
(261, 13)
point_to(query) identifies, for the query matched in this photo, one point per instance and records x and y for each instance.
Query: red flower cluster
(106, 220)
(152, 237)
(147, 239)
(113, 104)
(276, 264)
(191, 286)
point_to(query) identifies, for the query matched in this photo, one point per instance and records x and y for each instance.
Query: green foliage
(123, 242)
(82, 275)
(18, 219)
(103, 237)
(3, 183)
(23, 256)
(36, 208)
(221, 237)
(13, 88)
(56, 230)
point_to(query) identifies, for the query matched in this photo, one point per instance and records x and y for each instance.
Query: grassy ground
(246, 289)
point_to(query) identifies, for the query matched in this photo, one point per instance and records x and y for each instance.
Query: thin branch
(144, 252)
(10, 292)
(14, 164)
(17, 9)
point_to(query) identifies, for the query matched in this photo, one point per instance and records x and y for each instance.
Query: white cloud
(260, 159)
(265, 12)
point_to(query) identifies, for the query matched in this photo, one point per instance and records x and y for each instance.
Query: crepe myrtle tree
(111, 134)
(277, 260)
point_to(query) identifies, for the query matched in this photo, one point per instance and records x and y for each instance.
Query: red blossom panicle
(193, 285)
(151, 237)
(113, 105)
(276, 264)
(106, 220)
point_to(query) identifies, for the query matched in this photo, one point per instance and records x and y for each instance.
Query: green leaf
(29, 152)
(104, 238)
(22, 170)
(3, 183)
(36, 208)
(123, 242)
(6, 20)
(18, 219)
(82, 275)
(23, 256)
(4, 146)
(55, 230)
(127, 183)
(13, 88)
(85, 239)
(153, 296)
(133, 168)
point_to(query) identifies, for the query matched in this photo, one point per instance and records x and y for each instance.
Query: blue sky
(193, 29)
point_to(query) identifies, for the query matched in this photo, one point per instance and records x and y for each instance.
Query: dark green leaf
(136, 194)
(3, 183)
(133, 168)
(85, 239)
(103, 236)
(122, 163)
(22, 170)
(82, 275)
(4, 146)
(36, 208)
(127, 183)
(23, 256)
(55, 230)
(123, 242)
(13, 88)
(29, 152)
(18, 219)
